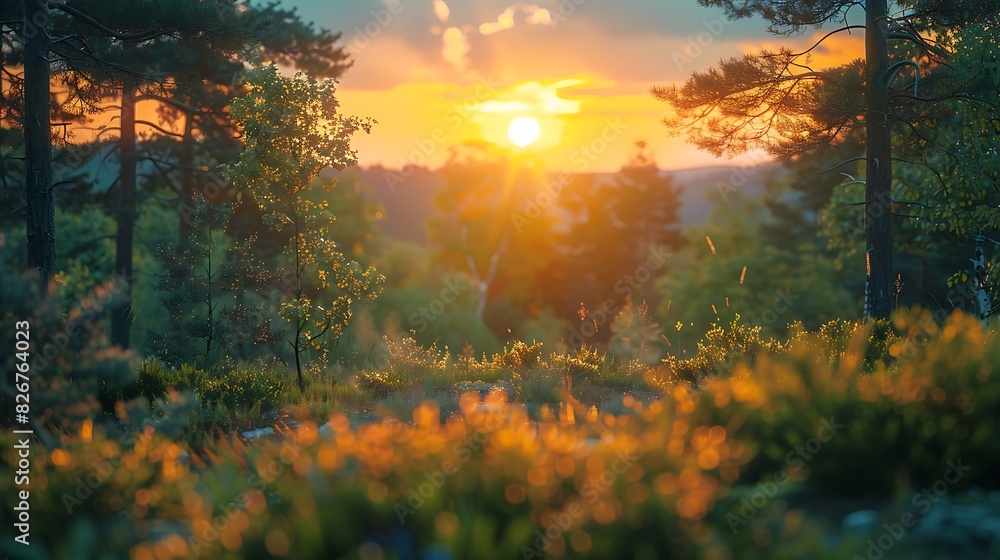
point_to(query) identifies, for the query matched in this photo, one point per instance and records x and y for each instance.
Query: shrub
(934, 399)
(539, 385)
(381, 383)
(631, 480)
(245, 388)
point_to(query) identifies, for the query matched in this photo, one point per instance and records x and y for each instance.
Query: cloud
(538, 16)
(504, 21)
(455, 48)
(441, 10)
(534, 15)
(532, 97)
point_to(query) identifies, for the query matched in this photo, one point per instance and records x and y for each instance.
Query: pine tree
(774, 100)
(195, 285)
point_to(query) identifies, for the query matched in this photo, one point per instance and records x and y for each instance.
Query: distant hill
(407, 195)
(408, 203)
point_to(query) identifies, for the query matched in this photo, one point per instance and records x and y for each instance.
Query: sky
(435, 73)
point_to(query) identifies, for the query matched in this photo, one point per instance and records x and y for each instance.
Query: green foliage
(413, 310)
(691, 458)
(235, 397)
(621, 229)
(292, 131)
(539, 385)
(636, 335)
(152, 382)
(196, 278)
(242, 387)
(500, 257)
(721, 350)
(731, 267)
(380, 383)
(68, 355)
(87, 257)
(738, 344)
(933, 397)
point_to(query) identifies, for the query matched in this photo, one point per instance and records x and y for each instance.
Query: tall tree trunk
(185, 232)
(878, 181)
(122, 319)
(39, 197)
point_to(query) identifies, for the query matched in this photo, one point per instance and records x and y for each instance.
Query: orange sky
(434, 76)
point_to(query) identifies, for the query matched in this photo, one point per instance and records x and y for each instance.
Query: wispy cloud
(533, 15)
(441, 10)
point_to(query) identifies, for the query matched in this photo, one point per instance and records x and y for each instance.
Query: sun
(524, 131)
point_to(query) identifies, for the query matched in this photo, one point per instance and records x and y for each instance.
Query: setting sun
(524, 131)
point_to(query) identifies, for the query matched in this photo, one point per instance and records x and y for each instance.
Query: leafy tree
(293, 130)
(207, 79)
(948, 193)
(618, 221)
(481, 228)
(776, 101)
(800, 197)
(727, 272)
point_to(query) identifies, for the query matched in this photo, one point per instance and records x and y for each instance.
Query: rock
(326, 431)
(436, 553)
(862, 521)
(257, 434)
(972, 528)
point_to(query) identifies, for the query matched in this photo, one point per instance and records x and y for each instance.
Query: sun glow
(524, 131)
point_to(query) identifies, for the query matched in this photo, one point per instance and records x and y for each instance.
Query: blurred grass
(651, 472)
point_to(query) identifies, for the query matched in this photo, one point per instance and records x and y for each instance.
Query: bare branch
(159, 128)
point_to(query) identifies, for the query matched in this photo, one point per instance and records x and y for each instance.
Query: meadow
(813, 447)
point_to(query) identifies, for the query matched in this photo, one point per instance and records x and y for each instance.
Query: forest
(427, 279)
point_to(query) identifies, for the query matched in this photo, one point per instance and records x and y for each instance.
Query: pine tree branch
(177, 104)
(159, 128)
(137, 36)
(835, 167)
(816, 45)
(915, 38)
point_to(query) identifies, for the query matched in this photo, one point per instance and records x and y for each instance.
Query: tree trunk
(298, 365)
(481, 299)
(185, 232)
(39, 197)
(878, 181)
(122, 318)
